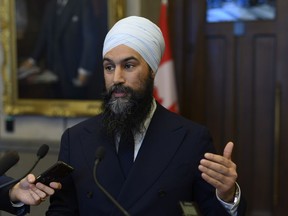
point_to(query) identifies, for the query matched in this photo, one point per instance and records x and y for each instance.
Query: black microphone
(8, 160)
(100, 152)
(41, 153)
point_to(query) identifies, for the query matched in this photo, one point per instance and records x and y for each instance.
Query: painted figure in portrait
(59, 44)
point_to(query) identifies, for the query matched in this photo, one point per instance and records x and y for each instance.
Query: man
(169, 161)
(72, 33)
(16, 200)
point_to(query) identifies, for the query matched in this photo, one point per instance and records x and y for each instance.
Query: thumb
(227, 153)
(24, 183)
(30, 178)
(27, 181)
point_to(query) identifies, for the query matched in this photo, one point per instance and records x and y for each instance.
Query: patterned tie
(126, 152)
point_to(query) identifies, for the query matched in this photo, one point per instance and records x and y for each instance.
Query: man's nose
(118, 76)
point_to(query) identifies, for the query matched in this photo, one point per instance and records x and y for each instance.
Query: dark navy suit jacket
(4, 195)
(164, 172)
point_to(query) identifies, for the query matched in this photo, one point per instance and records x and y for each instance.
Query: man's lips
(119, 94)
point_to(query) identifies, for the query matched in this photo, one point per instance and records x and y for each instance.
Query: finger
(35, 196)
(24, 183)
(214, 159)
(211, 173)
(214, 182)
(55, 185)
(217, 167)
(219, 181)
(223, 166)
(39, 194)
(221, 175)
(45, 189)
(31, 178)
(227, 153)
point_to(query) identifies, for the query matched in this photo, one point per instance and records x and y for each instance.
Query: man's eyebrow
(107, 59)
(122, 60)
(130, 58)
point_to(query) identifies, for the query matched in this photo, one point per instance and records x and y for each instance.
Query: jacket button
(162, 193)
(89, 194)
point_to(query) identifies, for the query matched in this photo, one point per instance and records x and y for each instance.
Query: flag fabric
(165, 84)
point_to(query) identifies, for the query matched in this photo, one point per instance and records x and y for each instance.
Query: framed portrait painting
(53, 55)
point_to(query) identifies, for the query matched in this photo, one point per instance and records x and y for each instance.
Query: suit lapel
(161, 142)
(109, 172)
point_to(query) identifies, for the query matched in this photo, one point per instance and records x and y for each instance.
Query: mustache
(119, 88)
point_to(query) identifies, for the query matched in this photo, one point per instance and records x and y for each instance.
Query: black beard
(129, 113)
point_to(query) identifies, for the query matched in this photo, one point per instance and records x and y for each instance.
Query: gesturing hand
(220, 171)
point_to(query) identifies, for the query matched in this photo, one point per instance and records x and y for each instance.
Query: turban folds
(140, 34)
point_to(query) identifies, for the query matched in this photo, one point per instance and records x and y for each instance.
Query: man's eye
(109, 68)
(129, 66)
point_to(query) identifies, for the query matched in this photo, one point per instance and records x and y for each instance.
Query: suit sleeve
(5, 203)
(4, 196)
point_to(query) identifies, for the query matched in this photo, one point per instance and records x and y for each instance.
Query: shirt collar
(140, 136)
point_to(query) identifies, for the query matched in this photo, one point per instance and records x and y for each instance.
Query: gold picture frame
(12, 104)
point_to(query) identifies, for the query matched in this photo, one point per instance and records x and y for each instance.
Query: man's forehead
(122, 53)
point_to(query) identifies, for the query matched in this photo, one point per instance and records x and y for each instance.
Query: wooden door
(233, 77)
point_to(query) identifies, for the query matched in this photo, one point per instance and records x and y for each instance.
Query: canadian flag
(165, 84)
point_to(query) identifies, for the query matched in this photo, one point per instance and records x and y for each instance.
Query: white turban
(140, 34)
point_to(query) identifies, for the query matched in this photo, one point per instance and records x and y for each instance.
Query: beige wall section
(31, 127)
(151, 9)
(146, 8)
(133, 7)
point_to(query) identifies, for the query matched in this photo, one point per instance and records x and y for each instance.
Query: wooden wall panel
(215, 87)
(264, 48)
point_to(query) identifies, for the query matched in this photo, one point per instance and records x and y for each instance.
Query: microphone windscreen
(42, 151)
(100, 153)
(8, 160)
